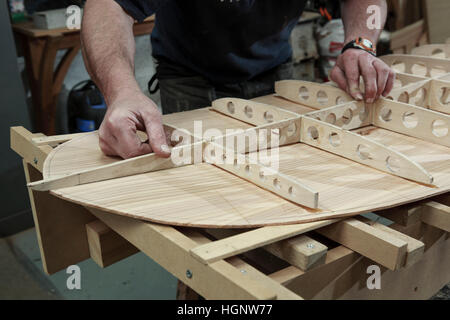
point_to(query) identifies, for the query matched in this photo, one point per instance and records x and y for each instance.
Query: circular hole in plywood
(291, 190)
(235, 163)
(347, 116)
(313, 133)
(291, 129)
(438, 53)
(363, 152)
(322, 97)
(331, 118)
(392, 164)
(399, 66)
(230, 107)
(419, 69)
(303, 93)
(410, 119)
(261, 175)
(334, 139)
(276, 183)
(247, 169)
(386, 114)
(248, 111)
(268, 116)
(419, 99)
(404, 97)
(340, 100)
(439, 128)
(445, 96)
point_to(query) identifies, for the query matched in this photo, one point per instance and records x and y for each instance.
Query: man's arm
(353, 63)
(108, 49)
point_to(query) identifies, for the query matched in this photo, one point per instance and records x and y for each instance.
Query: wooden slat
(414, 249)
(437, 215)
(404, 215)
(252, 112)
(106, 246)
(301, 251)
(171, 249)
(243, 242)
(372, 243)
(247, 269)
(391, 115)
(313, 95)
(361, 149)
(55, 140)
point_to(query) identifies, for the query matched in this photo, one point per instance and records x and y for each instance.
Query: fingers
(338, 76)
(128, 143)
(383, 72)
(349, 64)
(390, 83)
(156, 134)
(369, 75)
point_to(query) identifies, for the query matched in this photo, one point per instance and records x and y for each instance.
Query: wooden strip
(375, 244)
(437, 215)
(266, 136)
(265, 177)
(257, 238)
(414, 248)
(362, 150)
(404, 215)
(301, 251)
(247, 269)
(418, 65)
(252, 112)
(171, 249)
(313, 95)
(443, 50)
(337, 260)
(415, 93)
(21, 144)
(55, 140)
(413, 121)
(106, 246)
(349, 116)
(133, 166)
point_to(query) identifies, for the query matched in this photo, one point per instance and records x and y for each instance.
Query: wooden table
(39, 48)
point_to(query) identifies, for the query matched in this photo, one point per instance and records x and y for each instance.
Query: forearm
(108, 47)
(355, 17)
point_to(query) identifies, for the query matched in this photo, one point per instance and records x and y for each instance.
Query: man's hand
(353, 63)
(128, 113)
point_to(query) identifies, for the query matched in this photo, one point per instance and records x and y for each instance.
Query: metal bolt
(188, 273)
(35, 160)
(310, 245)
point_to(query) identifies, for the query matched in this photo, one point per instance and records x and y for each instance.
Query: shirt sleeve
(140, 9)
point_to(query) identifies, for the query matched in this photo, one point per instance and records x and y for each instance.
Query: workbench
(39, 48)
(322, 259)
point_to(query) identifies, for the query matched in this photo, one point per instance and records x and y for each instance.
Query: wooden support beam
(404, 215)
(313, 95)
(349, 116)
(413, 121)
(414, 248)
(437, 215)
(21, 144)
(362, 150)
(247, 269)
(253, 239)
(301, 251)
(265, 177)
(252, 112)
(377, 245)
(123, 168)
(171, 249)
(106, 246)
(417, 93)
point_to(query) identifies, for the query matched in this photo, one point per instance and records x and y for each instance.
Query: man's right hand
(126, 114)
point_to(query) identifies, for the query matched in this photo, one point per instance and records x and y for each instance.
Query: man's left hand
(378, 77)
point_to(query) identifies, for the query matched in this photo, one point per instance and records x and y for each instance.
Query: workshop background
(316, 42)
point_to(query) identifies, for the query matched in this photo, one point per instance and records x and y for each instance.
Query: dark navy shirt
(226, 41)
